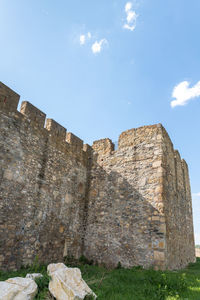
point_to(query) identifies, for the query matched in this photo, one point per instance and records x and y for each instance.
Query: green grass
(126, 284)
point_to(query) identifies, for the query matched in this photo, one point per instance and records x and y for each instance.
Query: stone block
(158, 255)
(33, 113)
(67, 283)
(56, 129)
(8, 98)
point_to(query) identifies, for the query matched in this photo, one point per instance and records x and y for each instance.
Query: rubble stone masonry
(61, 198)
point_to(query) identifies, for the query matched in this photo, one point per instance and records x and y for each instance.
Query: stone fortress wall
(59, 197)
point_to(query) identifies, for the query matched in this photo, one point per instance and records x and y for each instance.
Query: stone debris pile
(65, 284)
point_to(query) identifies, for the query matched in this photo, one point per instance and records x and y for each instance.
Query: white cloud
(128, 6)
(97, 46)
(196, 194)
(131, 17)
(82, 39)
(183, 93)
(126, 26)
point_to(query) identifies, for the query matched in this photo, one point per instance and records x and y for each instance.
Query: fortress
(59, 197)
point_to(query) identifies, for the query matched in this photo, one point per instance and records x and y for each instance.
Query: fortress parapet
(56, 130)
(75, 142)
(103, 146)
(9, 101)
(8, 98)
(33, 113)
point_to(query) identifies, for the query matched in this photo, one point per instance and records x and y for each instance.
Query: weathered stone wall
(126, 223)
(140, 209)
(42, 187)
(59, 197)
(177, 207)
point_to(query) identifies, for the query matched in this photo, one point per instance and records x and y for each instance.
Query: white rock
(67, 283)
(18, 288)
(34, 275)
(7, 291)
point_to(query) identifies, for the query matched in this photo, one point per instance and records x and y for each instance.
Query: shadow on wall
(121, 225)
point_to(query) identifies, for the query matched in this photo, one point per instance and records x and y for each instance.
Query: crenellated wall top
(9, 101)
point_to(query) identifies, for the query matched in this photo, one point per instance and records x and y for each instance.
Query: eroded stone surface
(139, 202)
(67, 283)
(34, 275)
(18, 288)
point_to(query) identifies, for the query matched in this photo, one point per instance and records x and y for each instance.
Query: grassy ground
(126, 284)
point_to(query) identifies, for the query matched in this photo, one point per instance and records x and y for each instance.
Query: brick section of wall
(62, 198)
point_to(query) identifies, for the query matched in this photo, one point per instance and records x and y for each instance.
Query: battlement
(56, 130)
(135, 136)
(128, 138)
(105, 146)
(177, 155)
(184, 164)
(9, 102)
(75, 142)
(87, 149)
(8, 98)
(142, 137)
(33, 113)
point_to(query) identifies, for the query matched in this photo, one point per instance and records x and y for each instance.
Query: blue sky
(101, 67)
